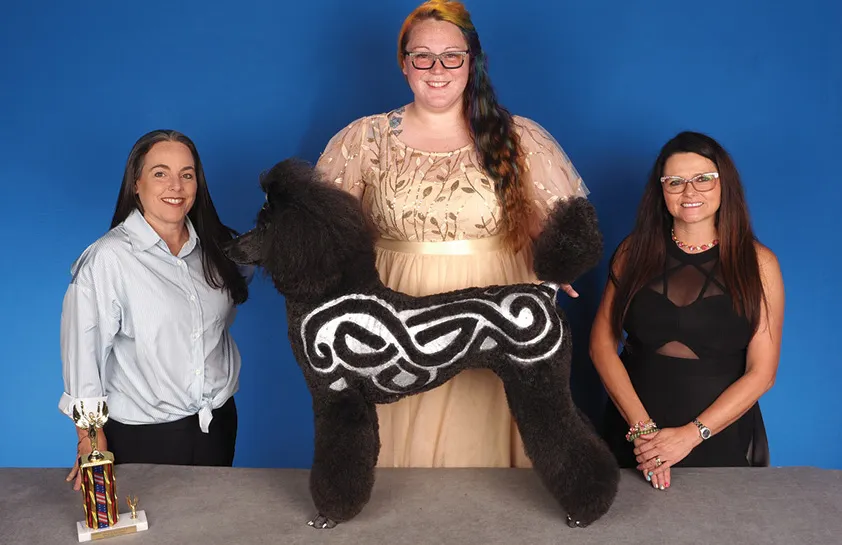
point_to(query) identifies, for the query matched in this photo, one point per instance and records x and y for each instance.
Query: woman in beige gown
(442, 228)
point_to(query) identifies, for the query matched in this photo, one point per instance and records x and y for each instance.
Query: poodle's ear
(314, 237)
(312, 246)
(246, 249)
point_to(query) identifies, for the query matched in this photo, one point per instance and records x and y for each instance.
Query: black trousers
(176, 443)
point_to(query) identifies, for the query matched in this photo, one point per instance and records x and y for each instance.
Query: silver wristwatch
(704, 431)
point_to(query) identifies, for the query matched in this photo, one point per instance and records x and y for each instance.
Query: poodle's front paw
(575, 523)
(321, 522)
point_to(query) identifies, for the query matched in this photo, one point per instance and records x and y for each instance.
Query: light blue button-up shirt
(143, 330)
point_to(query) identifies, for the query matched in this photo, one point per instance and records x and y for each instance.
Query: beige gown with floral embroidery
(413, 197)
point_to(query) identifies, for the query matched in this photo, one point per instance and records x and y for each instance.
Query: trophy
(99, 485)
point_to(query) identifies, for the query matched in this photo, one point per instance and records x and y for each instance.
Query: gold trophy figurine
(132, 505)
(99, 484)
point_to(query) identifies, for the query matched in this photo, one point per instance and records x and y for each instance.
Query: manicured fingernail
(651, 473)
(648, 478)
(668, 485)
(662, 487)
(655, 486)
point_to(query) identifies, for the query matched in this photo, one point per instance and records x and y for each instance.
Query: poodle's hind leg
(573, 462)
(347, 444)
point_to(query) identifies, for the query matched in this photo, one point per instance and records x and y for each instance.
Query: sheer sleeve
(550, 175)
(347, 159)
(618, 261)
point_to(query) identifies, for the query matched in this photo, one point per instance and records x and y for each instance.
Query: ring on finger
(658, 461)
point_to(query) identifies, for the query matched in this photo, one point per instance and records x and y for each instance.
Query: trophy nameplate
(99, 486)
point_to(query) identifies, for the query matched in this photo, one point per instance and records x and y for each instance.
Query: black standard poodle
(359, 343)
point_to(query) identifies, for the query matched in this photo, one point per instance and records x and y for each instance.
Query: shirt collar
(143, 236)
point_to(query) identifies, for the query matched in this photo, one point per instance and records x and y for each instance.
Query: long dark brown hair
(220, 272)
(643, 252)
(491, 125)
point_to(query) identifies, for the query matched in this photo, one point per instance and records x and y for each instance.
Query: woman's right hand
(83, 449)
(658, 482)
(568, 289)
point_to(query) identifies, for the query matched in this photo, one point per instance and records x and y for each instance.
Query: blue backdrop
(254, 82)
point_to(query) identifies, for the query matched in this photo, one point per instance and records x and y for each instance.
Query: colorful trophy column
(99, 484)
(99, 494)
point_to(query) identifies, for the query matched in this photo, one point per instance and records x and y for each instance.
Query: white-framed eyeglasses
(424, 60)
(701, 182)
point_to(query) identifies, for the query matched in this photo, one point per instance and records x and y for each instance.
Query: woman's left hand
(669, 446)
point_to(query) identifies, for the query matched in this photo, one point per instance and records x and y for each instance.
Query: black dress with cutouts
(685, 346)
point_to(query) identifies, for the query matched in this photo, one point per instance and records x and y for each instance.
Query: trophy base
(126, 525)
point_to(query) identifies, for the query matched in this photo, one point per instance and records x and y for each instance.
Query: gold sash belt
(450, 247)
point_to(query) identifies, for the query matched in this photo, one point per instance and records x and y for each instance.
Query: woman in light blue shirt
(145, 322)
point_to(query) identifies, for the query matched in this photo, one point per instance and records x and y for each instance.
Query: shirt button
(198, 372)
(192, 297)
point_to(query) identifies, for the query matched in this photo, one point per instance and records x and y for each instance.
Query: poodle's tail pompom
(570, 243)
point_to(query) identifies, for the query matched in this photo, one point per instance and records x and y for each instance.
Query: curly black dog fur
(359, 343)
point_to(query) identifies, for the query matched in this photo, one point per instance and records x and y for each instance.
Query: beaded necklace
(690, 247)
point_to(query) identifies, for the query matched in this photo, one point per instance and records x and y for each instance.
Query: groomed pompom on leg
(573, 462)
(570, 243)
(347, 443)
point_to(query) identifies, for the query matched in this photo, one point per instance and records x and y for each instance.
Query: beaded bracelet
(641, 428)
(640, 433)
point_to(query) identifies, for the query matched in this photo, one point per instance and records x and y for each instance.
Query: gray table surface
(212, 506)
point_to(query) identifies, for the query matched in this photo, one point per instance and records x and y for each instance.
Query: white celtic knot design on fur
(401, 351)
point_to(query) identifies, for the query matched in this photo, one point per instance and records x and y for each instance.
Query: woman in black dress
(701, 302)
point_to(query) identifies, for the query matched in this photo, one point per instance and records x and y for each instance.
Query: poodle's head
(310, 237)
